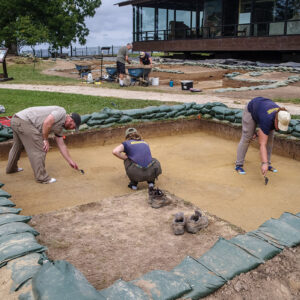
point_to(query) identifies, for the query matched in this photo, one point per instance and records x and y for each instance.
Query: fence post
(112, 50)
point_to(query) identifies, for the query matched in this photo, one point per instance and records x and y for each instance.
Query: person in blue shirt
(268, 116)
(138, 161)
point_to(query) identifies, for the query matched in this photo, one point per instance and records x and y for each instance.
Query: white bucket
(155, 81)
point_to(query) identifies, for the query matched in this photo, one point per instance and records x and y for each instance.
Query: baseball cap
(284, 118)
(142, 54)
(129, 131)
(77, 119)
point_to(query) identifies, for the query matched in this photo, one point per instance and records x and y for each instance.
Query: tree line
(32, 22)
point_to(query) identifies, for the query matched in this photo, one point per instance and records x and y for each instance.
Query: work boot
(178, 224)
(157, 198)
(196, 222)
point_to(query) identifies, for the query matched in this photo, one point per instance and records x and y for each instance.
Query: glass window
(212, 18)
(162, 24)
(245, 12)
(293, 17)
(148, 18)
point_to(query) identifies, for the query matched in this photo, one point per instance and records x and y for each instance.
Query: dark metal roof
(171, 4)
(132, 2)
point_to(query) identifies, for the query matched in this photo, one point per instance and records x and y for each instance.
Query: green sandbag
(4, 194)
(9, 210)
(171, 114)
(279, 232)
(205, 110)
(198, 106)
(85, 118)
(16, 245)
(124, 119)
(203, 281)
(164, 108)
(191, 112)
(180, 113)
(22, 269)
(230, 118)
(9, 218)
(219, 104)
(189, 105)
(1, 184)
(99, 116)
(291, 219)
(160, 115)
(219, 117)
(111, 120)
(296, 128)
(6, 132)
(114, 113)
(163, 285)
(294, 122)
(239, 114)
(238, 120)
(178, 107)
(3, 139)
(148, 117)
(92, 122)
(296, 134)
(134, 113)
(222, 111)
(61, 280)
(256, 246)
(206, 116)
(16, 227)
(151, 110)
(6, 202)
(209, 105)
(123, 290)
(289, 130)
(228, 260)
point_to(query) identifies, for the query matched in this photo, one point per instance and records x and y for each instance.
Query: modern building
(220, 26)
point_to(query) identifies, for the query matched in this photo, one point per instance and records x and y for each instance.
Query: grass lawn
(16, 100)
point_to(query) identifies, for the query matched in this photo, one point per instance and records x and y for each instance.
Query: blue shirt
(146, 59)
(263, 112)
(138, 151)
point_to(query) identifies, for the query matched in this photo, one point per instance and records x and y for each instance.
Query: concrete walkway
(129, 94)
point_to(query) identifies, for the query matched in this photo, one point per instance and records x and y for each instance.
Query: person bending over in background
(122, 58)
(31, 128)
(269, 117)
(138, 161)
(145, 59)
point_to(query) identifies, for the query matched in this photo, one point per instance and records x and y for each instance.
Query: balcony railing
(212, 32)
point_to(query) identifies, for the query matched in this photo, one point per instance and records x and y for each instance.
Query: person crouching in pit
(138, 161)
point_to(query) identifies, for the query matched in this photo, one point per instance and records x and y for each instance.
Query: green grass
(16, 100)
(30, 74)
(295, 101)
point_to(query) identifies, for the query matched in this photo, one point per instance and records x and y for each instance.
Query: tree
(60, 22)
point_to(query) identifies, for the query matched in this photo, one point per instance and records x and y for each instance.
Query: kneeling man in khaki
(31, 128)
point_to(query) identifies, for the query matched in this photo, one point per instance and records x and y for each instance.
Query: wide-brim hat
(129, 131)
(284, 118)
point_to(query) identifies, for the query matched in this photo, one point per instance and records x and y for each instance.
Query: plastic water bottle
(171, 84)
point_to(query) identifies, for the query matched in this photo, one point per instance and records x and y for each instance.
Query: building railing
(290, 27)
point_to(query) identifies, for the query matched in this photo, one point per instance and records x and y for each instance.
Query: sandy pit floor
(196, 167)
(124, 237)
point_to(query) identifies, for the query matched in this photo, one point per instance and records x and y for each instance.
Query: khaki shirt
(37, 115)
(122, 53)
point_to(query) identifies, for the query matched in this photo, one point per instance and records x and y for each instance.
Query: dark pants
(137, 174)
(120, 68)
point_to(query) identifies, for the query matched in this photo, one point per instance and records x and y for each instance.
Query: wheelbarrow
(140, 75)
(112, 73)
(83, 70)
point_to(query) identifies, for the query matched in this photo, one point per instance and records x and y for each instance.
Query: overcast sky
(111, 25)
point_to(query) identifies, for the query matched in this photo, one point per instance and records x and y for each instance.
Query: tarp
(61, 280)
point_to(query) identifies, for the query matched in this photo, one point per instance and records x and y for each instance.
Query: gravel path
(128, 94)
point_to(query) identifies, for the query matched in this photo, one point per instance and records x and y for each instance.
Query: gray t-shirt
(37, 115)
(122, 53)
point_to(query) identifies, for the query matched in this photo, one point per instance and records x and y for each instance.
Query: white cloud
(111, 25)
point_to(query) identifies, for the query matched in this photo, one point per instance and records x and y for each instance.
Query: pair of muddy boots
(192, 224)
(157, 198)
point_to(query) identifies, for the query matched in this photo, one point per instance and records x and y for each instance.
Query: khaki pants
(248, 130)
(25, 135)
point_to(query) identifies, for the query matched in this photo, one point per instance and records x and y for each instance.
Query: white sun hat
(284, 119)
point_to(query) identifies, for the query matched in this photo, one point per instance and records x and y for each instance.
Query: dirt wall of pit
(282, 145)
